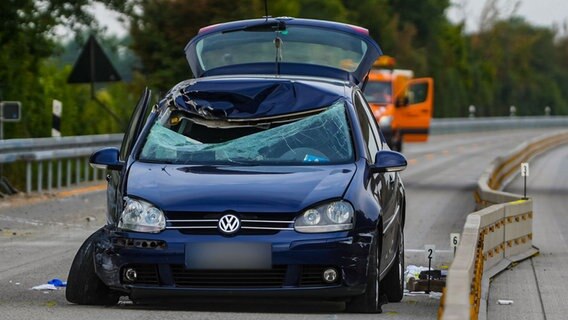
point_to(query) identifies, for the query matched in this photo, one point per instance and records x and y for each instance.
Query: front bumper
(297, 261)
(145, 293)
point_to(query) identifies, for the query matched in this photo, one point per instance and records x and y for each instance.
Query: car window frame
(360, 103)
(374, 122)
(135, 125)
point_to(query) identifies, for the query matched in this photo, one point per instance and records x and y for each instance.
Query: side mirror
(107, 159)
(388, 161)
(401, 102)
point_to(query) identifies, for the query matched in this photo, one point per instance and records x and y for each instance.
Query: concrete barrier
(493, 237)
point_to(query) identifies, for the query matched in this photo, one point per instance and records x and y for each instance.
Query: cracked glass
(314, 139)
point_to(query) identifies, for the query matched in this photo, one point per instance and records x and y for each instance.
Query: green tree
(162, 28)
(27, 40)
(520, 65)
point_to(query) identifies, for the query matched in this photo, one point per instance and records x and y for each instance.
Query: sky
(547, 13)
(109, 19)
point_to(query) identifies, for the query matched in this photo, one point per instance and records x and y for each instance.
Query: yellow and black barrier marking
(498, 176)
(477, 277)
(442, 302)
(504, 169)
(520, 240)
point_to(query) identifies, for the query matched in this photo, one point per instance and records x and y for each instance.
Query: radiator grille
(206, 223)
(270, 278)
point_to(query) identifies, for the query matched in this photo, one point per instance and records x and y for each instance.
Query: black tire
(83, 284)
(369, 302)
(393, 283)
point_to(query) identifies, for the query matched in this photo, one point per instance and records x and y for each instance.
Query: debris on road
(431, 295)
(57, 282)
(413, 271)
(505, 302)
(45, 287)
(416, 279)
(53, 284)
(435, 295)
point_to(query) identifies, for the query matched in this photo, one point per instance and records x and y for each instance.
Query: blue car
(265, 175)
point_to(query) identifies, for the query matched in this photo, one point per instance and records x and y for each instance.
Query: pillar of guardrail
(49, 175)
(39, 176)
(59, 174)
(68, 182)
(87, 169)
(77, 170)
(28, 176)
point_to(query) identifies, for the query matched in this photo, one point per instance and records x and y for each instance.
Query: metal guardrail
(71, 152)
(453, 125)
(70, 155)
(54, 148)
(494, 236)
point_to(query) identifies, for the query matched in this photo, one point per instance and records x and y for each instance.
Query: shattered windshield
(315, 138)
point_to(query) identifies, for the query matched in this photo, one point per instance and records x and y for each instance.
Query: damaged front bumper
(298, 261)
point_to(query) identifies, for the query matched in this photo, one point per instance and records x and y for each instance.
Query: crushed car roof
(253, 97)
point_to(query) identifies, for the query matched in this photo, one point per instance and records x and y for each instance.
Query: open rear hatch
(283, 46)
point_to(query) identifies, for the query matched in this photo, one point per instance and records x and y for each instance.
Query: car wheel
(83, 284)
(393, 283)
(369, 302)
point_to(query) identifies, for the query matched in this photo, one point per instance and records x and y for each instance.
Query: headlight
(141, 216)
(385, 122)
(333, 216)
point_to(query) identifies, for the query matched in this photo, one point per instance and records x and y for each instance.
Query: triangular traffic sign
(93, 65)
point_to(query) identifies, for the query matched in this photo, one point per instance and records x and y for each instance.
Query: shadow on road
(241, 305)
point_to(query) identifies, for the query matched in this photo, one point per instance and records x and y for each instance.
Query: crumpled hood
(241, 189)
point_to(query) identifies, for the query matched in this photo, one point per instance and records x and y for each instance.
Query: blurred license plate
(229, 255)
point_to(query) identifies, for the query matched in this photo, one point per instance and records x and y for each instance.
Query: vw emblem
(229, 224)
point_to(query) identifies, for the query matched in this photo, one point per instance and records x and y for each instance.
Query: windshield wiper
(242, 161)
(268, 26)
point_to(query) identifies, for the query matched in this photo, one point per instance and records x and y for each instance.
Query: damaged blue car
(265, 175)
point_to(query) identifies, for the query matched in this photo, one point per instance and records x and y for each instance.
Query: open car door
(418, 112)
(135, 125)
(116, 178)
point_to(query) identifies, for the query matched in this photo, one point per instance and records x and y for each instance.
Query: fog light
(330, 275)
(130, 275)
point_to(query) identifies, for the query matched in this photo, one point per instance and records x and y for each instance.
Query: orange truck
(401, 104)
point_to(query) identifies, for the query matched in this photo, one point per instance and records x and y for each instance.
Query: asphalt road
(39, 238)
